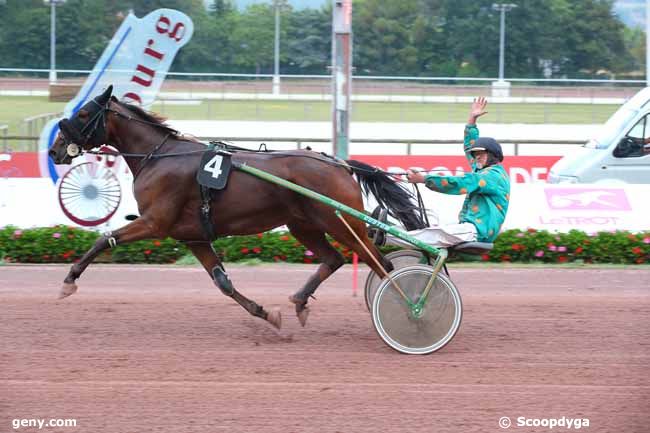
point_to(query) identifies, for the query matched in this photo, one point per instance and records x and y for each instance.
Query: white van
(620, 153)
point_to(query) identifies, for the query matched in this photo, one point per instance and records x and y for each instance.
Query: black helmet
(490, 145)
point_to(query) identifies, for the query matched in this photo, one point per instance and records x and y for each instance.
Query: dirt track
(159, 349)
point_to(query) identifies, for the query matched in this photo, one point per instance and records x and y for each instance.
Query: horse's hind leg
(330, 258)
(342, 234)
(204, 252)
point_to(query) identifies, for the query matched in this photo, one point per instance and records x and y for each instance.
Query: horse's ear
(107, 94)
(114, 98)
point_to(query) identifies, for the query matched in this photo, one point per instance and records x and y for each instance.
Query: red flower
(637, 250)
(579, 250)
(147, 252)
(531, 230)
(485, 257)
(640, 260)
(505, 258)
(518, 247)
(156, 243)
(307, 260)
(257, 250)
(276, 258)
(259, 235)
(46, 257)
(244, 250)
(563, 259)
(284, 238)
(631, 237)
(336, 244)
(283, 257)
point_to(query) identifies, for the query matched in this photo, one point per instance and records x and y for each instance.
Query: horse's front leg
(137, 230)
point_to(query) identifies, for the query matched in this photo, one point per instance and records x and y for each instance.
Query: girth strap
(205, 214)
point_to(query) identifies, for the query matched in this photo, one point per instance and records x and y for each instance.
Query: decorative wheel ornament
(89, 194)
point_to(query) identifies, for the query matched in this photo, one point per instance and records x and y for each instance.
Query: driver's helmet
(490, 145)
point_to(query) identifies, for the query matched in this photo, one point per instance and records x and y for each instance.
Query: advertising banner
(522, 169)
(135, 62)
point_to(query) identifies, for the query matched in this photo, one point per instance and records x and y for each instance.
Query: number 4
(214, 166)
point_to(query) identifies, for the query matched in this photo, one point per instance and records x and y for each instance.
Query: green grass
(13, 110)
(386, 112)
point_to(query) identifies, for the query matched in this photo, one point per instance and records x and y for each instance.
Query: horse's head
(83, 131)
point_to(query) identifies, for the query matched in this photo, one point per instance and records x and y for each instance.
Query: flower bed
(62, 244)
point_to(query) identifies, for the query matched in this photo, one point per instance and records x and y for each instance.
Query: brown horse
(165, 164)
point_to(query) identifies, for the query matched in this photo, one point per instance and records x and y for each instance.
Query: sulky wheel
(410, 325)
(399, 259)
(89, 194)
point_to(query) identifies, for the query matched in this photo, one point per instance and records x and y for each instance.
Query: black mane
(149, 117)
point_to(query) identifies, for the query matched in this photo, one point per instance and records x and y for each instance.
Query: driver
(487, 190)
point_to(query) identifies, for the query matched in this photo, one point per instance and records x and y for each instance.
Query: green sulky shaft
(341, 207)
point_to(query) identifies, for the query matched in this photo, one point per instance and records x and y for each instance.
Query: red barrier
(522, 169)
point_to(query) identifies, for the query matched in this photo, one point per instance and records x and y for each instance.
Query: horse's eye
(83, 114)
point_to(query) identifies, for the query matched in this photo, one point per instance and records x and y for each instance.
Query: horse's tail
(398, 200)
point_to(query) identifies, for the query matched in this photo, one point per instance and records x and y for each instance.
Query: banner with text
(522, 169)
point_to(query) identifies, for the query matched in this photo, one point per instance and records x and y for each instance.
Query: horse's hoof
(296, 300)
(303, 315)
(275, 318)
(67, 289)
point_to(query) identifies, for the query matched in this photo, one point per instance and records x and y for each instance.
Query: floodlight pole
(341, 75)
(53, 4)
(502, 87)
(276, 69)
(647, 43)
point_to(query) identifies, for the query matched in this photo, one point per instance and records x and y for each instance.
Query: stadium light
(276, 69)
(503, 8)
(53, 4)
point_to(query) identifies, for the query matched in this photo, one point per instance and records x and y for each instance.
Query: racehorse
(165, 163)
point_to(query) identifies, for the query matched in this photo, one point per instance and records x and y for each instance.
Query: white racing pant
(439, 236)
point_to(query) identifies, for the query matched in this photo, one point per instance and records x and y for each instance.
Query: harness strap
(205, 214)
(148, 157)
(205, 209)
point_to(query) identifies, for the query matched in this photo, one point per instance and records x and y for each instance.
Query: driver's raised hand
(477, 110)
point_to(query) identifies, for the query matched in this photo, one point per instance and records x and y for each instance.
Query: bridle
(75, 145)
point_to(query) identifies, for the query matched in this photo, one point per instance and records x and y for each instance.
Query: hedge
(61, 244)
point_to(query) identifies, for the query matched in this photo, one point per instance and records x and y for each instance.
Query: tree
(309, 41)
(635, 45)
(25, 35)
(385, 35)
(253, 36)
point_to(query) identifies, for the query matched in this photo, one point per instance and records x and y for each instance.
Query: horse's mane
(147, 116)
(156, 119)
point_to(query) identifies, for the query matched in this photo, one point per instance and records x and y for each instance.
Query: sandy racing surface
(159, 349)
